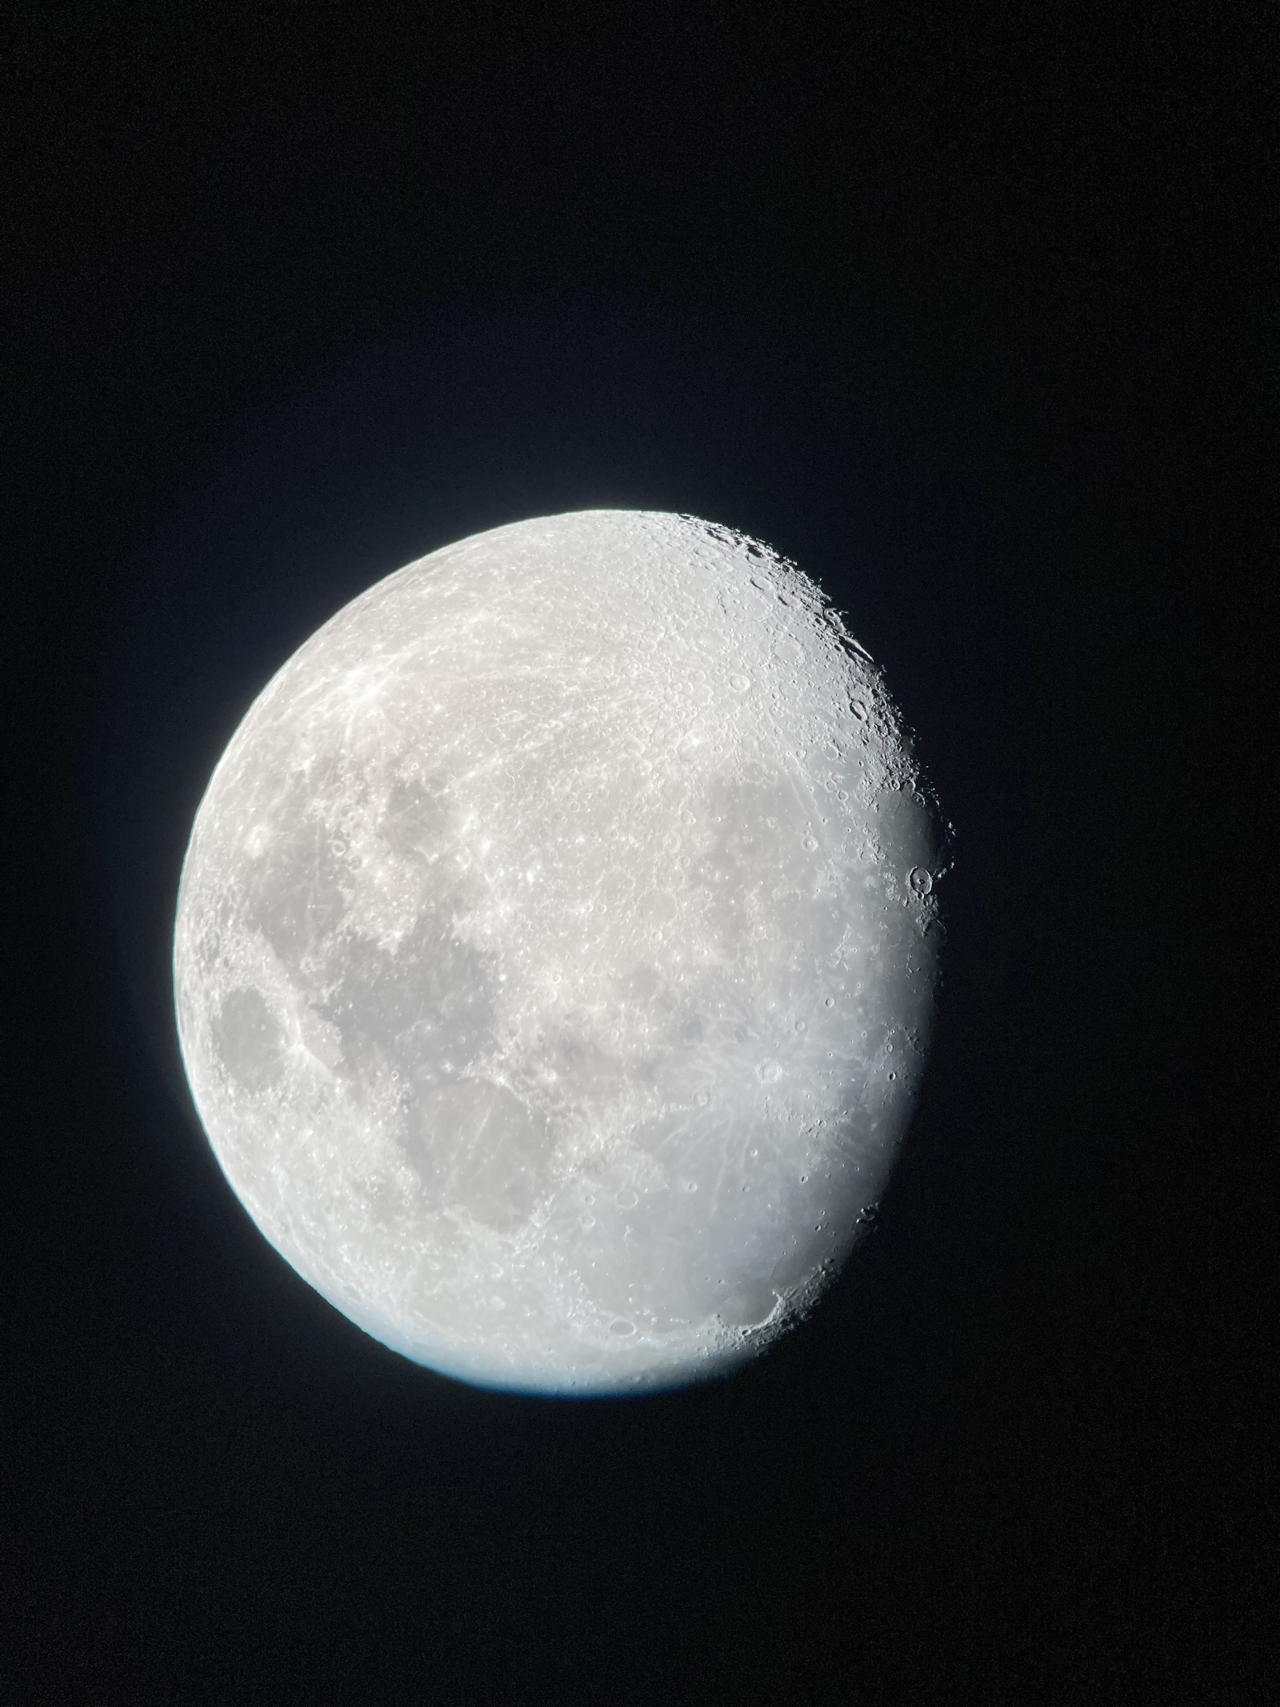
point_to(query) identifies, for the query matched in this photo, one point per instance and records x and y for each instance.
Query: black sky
(295, 299)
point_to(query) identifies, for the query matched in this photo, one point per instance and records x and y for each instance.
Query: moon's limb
(552, 963)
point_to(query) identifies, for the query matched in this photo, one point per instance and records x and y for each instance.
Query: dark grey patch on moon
(477, 1147)
(248, 1041)
(594, 1074)
(293, 893)
(417, 818)
(430, 999)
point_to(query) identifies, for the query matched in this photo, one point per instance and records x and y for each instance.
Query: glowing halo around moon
(553, 958)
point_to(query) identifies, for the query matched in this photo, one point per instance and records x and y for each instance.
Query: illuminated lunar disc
(552, 959)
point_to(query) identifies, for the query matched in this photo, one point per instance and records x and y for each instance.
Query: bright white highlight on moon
(553, 963)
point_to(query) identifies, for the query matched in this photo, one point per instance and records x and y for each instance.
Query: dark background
(920, 304)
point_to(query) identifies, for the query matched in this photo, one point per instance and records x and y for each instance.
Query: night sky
(294, 302)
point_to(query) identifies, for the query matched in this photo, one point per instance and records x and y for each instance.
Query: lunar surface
(553, 957)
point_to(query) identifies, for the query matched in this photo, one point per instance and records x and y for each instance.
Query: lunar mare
(553, 957)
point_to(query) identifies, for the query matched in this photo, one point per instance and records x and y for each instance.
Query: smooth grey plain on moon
(553, 967)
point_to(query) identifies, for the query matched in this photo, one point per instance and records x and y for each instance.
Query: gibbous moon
(552, 962)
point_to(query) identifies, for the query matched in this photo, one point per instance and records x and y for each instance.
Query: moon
(555, 951)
